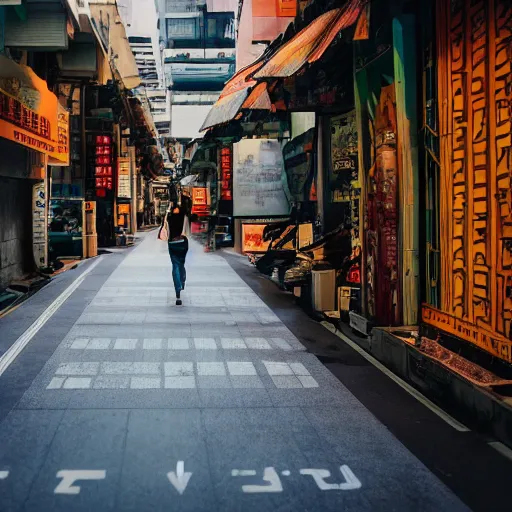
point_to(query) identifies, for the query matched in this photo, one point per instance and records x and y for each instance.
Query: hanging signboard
(226, 192)
(30, 114)
(258, 179)
(123, 178)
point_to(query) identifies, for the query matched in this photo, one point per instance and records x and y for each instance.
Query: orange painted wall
(474, 69)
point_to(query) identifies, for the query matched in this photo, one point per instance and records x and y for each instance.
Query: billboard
(258, 179)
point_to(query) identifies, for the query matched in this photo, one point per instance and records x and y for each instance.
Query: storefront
(34, 134)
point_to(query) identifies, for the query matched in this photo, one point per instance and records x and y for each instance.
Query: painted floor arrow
(179, 479)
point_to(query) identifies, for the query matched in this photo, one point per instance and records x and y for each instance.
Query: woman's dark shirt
(176, 222)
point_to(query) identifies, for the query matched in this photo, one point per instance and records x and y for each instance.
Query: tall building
(259, 23)
(198, 41)
(142, 21)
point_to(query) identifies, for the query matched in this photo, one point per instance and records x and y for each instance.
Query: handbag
(163, 234)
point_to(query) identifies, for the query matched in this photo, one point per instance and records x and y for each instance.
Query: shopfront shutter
(43, 30)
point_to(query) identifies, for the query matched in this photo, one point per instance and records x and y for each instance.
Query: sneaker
(178, 302)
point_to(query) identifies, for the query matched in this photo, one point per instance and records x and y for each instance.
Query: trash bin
(324, 290)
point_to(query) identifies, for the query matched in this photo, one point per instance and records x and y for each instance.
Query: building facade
(198, 38)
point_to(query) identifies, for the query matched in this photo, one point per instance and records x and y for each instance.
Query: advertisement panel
(124, 189)
(252, 238)
(258, 179)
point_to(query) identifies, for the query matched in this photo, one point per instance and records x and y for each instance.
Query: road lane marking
(15, 349)
(70, 476)
(319, 476)
(406, 387)
(270, 476)
(501, 448)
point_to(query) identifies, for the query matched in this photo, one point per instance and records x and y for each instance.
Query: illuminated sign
(103, 169)
(30, 114)
(252, 238)
(226, 192)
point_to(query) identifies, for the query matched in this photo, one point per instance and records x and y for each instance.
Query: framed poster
(258, 179)
(252, 238)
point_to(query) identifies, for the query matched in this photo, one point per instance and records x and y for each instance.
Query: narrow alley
(123, 401)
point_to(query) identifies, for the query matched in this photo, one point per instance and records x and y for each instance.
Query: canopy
(225, 109)
(110, 32)
(311, 42)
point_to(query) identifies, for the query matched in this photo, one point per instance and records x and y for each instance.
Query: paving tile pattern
(221, 383)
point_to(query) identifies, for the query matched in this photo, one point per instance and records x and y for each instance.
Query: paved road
(123, 401)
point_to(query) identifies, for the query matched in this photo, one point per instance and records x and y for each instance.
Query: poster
(343, 173)
(258, 179)
(38, 224)
(252, 238)
(124, 188)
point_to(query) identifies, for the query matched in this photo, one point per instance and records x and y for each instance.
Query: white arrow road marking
(4, 475)
(319, 475)
(179, 479)
(70, 476)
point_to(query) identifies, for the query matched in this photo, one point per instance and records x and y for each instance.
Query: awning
(225, 109)
(311, 42)
(110, 32)
(258, 99)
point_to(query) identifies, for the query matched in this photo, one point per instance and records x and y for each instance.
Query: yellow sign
(30, 114)
(492, 343)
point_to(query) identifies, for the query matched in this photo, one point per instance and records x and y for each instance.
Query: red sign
(226, 169)
(103, 170)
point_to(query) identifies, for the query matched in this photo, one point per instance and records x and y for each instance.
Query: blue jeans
(178, 252)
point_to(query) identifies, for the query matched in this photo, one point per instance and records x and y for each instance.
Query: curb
(444, 386)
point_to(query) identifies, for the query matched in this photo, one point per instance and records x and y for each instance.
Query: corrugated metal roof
(311, 42)
(225, 109)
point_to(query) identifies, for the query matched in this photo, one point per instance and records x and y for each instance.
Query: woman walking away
(172, 230)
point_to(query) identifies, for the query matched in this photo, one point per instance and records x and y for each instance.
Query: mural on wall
(476, 162)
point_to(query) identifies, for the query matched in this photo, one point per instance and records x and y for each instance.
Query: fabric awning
(111, 34)
(311, 42)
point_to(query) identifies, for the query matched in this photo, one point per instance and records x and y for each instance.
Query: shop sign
(104, 161)
(252, 238)
(30, 114)
(123, 178)
(492, 343)
(226, 174)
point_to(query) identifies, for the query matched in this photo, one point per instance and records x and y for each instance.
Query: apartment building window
(184, 5)
(183, 33)
(220, 30)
